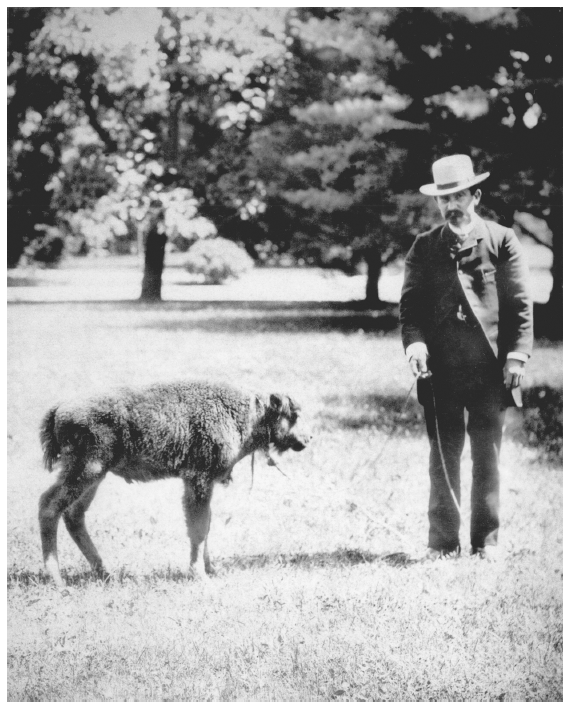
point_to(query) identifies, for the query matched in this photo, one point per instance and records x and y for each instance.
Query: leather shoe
(435, 554)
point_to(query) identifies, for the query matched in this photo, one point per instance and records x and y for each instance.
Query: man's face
(458, 208)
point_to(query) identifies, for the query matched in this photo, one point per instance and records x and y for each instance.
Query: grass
(319, 595)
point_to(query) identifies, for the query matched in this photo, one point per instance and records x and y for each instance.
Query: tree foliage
(33, 136)
(497, 75)
(340, 163)
(168, 106)
(378, 94)
(304, 131)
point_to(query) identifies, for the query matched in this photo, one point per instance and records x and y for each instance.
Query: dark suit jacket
(494, 280)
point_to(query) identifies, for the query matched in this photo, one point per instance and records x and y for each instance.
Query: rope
(369, 515)
(440, 447)
(252, 467)
(443, 465)
(394, 427)
(379, 524)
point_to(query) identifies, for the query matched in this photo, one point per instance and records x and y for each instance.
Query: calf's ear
(281, 404)
(276, 402)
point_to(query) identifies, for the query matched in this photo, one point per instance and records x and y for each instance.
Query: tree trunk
(549, 317)
(374, 264)
(173, 130)
(155, 243)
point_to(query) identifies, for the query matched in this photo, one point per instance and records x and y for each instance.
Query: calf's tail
(50, 445)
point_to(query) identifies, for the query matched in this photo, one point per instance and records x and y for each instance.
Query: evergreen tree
(374, 95)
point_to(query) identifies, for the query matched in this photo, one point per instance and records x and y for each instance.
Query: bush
(542, 420)
(217, 260)
(48, 248)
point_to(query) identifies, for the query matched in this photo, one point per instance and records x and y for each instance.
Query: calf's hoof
(211, 570)
(57, 581)
(197, 573)
(102, 574)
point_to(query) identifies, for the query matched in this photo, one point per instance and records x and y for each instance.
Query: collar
(462, 240)
(459, 248)
(464, 231)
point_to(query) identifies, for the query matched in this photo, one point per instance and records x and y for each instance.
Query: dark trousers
(464, 395)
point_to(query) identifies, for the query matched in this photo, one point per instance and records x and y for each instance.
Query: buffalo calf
(196, 431)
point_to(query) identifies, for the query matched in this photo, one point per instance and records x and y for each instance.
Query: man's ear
(477, 196)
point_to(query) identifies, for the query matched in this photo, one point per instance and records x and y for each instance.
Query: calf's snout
(301, 440)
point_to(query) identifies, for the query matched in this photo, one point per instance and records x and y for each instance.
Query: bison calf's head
(286, 429)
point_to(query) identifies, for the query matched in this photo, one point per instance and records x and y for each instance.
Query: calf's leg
(198, 515)
(54, 501)
(74, 518)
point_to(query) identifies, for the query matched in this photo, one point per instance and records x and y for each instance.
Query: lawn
(319, 595)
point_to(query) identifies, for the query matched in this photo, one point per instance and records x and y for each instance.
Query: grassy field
(318, 595)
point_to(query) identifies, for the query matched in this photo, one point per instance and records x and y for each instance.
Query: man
(466, 317)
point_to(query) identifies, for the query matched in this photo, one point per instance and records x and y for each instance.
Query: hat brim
(434, 191)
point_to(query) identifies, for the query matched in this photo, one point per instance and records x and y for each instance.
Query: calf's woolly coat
(193, 430)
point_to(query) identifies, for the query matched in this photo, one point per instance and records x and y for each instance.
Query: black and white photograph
(284, 354)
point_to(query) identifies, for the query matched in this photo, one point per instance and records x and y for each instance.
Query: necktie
(456, 244)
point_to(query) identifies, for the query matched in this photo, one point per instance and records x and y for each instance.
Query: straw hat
(452, 174)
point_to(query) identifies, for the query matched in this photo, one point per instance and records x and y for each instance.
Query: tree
(479, 80)
(492, 87)
(33, 136)
(357, 138)
(171, 104)
(526, 143)
(211, 60)
(342, 153)
(305, 131)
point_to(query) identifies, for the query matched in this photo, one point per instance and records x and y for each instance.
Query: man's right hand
(417, 354)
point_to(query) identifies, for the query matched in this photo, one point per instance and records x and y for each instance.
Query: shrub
(47, 248)
(542, 420)
(217, 260)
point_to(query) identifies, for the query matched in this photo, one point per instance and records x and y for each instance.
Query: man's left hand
(513, 373)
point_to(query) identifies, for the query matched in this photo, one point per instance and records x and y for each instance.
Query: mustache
(454, 212)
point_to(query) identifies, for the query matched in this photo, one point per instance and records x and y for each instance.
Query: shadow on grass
(23, 281)
(275, 317)
(340, 558)
(283, 323)
(251, 316)
(538, 425)
(394, 414)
